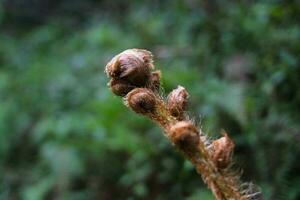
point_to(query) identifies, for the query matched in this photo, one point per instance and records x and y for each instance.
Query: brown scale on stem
(132, 78)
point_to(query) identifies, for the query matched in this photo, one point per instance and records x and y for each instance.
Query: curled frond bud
(132, 65)
(177, 102)
(141, 100)
(185, 136)
(131, 78)
(154, 80)
(222, 151)
(120, 87)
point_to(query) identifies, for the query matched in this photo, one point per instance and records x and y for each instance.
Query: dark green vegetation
(64, 135)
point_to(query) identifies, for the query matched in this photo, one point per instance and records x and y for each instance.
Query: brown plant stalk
(133, 79)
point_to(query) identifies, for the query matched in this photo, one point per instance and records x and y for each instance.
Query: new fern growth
(133, 78)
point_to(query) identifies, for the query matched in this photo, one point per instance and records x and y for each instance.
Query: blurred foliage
(64, 135)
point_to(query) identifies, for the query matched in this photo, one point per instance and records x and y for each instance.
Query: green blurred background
(65, 136)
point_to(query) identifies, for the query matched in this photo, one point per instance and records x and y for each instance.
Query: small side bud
(222, 151)
(185, 136)
(177, 102)
(141, 100)
(132, 65)
(120, 87)
(154, 80)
